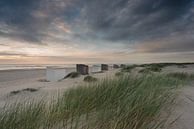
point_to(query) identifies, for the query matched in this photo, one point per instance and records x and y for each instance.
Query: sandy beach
(17, 80)
(182, 116)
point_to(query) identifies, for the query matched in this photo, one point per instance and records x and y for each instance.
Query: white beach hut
(55, 73)
(95, 69)
(111, 66)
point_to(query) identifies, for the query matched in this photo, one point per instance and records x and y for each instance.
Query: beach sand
(182, 117)
(18, 80)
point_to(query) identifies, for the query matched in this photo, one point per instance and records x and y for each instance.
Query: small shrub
(129, 68)
(145, 71)
(150, 69)
(73, 75)
(90, 79)
(181, 66)
(43, 80)
(30, 89)
(15, 92)
(23, 90)
(155, 68)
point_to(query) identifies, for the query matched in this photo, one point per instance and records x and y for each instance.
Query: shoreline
(15, 69)
(10, 70)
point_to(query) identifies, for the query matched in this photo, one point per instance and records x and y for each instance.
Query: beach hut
(55, 73)
(110, 66)
(115, 66)
(122, 65)
(104, 67)
(82, 69)
(95, 69)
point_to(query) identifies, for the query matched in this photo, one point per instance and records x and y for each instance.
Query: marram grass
(121, 103)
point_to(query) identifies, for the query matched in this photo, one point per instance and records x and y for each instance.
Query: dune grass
(90, 79)
(145, 71)
(73, 75)
(153, 67)
(118, 74)
(182, 76)
(150, 69)
(163, 65)
(123, 102)
(128, 68)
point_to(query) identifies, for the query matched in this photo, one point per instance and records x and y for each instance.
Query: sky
(96, 31)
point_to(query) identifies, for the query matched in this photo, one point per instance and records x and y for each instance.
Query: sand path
(182, 116)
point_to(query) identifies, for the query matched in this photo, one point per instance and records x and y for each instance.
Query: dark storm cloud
(126, 21)
(16, 14)
(136, 19)
(27, 19)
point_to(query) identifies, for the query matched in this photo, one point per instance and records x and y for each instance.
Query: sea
(31, 66)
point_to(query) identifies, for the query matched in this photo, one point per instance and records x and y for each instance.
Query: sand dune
(182, 116)
(19, 80)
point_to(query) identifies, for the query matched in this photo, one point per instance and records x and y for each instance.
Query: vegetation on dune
(182, 76)
(145, 71)
(73, 75)
(118, 74)
(90, 79)
(23, 90)
(150, 69)
(124, 102)
(154, 67)
(43, 80)
(182, 66)
(157, 67)
(129, 68)
(163, 65)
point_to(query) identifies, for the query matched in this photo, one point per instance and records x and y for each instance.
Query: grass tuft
(73, 75)
(182, 76)
(90, 79)
(118, 74)
(182, 66)
(129, 68)
(150, 69)
(23, 90)
(145, 71)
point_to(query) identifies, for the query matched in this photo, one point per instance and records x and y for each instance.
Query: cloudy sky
(94, 31)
